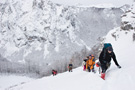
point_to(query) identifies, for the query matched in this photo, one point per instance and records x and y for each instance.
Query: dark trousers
(70, 69)
(105, 66)
(89, 70)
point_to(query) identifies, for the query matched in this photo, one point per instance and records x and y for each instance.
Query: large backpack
(106, 45)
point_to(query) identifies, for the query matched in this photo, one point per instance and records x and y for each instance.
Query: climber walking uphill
(90, 63)
(54, 72)
(84, 63)
(70, 66)
(105, 58)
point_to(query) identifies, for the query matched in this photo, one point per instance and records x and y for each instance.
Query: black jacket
(105, 57)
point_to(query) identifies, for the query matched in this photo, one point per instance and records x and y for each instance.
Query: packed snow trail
(9, 81)
(116, 79)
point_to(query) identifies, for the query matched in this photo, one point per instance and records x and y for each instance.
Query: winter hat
(110, 48)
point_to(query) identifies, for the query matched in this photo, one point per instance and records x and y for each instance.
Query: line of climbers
(88, 65)
(70, 67)
(104, 61)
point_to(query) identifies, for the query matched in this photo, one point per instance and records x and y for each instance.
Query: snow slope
(8, 81)
(116, 79)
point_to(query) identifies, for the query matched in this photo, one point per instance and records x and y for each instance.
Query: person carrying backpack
(84, 64)
(70, 66)
(105, 58)
(54, 72)
(90, 64)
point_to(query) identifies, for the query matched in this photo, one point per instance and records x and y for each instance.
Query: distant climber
(70, 66)
(54, 72)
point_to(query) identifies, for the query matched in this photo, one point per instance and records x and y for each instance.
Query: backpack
(106, 45)
(70, 65)
(94, 58)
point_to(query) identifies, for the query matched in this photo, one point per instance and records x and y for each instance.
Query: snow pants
(70, 69)
(105, 66)
(84, 67)
(89, 70)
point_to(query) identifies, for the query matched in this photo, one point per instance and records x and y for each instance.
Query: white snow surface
(116, 79)
(8, 81)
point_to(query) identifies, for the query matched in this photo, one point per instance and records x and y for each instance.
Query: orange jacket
(90, 63)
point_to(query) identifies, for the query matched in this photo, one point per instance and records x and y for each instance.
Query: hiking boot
(93, 71)
(103, 76)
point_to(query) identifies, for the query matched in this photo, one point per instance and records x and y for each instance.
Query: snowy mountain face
(128, 22)
(123, 42)
(125, 34)
(38, 36)
(127, 27)
(97, 23)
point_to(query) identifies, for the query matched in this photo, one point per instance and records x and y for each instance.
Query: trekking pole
(90, 69)
(99, 70)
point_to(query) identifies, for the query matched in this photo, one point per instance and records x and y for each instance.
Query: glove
(119, 66)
